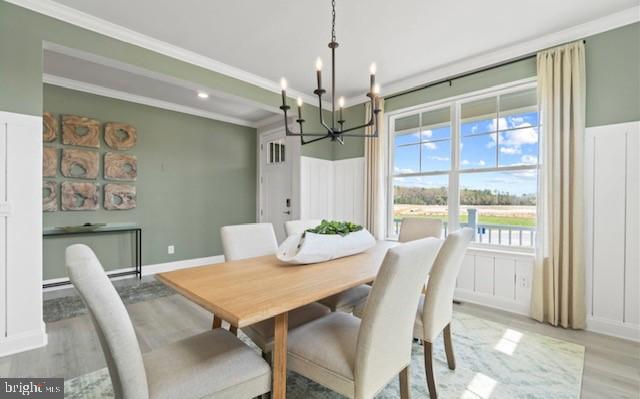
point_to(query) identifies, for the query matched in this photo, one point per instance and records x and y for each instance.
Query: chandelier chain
(333, 20)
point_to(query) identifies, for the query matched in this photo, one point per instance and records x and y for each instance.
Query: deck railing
(496, 234)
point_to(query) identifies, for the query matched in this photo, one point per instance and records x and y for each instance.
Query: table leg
(217, 323)
(280, 356)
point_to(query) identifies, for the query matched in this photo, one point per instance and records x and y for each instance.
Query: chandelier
(336, 131)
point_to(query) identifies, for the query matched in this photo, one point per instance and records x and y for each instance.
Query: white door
(275, 181)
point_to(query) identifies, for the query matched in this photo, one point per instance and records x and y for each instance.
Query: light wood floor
(612, 366)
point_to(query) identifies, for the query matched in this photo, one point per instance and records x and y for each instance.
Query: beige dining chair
(415, 228)
(259, 239)
(345, 301)
(298, 226)
(214, 364)
(435, 310)
(357, 358)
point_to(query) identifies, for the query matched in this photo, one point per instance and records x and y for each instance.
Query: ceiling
(83, 71)
(279, 38)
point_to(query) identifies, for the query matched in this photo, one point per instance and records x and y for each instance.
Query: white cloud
(437, 158)
(524, 135)
(482, 163)
(427, 133)
(430, 146)
(465, 162)
(403, 171)
(510, 150)
(529, 159)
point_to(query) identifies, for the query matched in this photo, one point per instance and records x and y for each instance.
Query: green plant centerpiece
(335, 227)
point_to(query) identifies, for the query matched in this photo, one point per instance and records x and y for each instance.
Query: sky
(511, 140)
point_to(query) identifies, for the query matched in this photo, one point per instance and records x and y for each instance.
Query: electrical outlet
(171, 249)
(524, 282)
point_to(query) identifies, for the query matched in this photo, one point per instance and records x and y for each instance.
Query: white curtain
(558, 288)
(374, 167)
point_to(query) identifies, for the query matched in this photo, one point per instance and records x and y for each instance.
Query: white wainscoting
(332, 189)
(21, 326)
(612, 202)
(499, 279)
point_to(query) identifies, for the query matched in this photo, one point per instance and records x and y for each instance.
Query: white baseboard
(491, 301)
(614, 328)
(148, 270)
(23, 342)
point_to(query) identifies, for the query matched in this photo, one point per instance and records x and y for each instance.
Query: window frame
(455, 105)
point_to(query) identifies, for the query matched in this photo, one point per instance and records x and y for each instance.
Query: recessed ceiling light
(203, 95)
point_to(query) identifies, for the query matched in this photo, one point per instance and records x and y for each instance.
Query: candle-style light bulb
(283, 85)
(299, 101)
(372, 68)
(319, 73)
(300, 112)
(372, 77)
(341, 102)
(376, 89)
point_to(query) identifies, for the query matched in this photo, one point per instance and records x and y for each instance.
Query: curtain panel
(558, 295)
(374, 170)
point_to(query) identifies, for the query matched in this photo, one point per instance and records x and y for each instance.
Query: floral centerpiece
(329, 240)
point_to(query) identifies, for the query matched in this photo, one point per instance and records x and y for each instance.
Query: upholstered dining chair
(357, 358)
(214, 364)
(415, 228)
(345, 301)
(259, 239)
(435, 309)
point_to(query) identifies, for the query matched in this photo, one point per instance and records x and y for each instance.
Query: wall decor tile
(49, 161)
(49, 127)
(79, 164)
(120, 136)
(79, 196)
(80, 131)
(119, 196)
(49, 196)
(120, 166)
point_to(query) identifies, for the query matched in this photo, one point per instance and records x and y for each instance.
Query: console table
(137, 230)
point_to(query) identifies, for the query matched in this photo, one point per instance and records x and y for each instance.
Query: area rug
(493, 361)
(71, 306)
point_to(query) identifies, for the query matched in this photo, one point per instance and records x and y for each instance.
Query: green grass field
(499, 220)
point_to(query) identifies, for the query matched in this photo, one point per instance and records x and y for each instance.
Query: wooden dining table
(251, 290)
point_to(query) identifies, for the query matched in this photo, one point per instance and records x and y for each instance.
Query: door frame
(293, 155)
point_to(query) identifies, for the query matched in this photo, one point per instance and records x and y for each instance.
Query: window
(470, 162)
(276, 151)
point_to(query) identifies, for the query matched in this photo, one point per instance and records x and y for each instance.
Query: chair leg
(428, 369)
(233, 330)
(448, 347)
(405, 383)
(217, 323)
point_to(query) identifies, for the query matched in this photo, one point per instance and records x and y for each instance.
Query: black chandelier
(335, 133)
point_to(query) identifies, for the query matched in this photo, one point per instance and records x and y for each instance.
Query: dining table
(247, 291)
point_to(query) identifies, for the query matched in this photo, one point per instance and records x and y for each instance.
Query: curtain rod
(464, 75)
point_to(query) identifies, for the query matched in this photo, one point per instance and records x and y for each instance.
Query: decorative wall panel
(120, 166)
(120, 136)
(49, 196)
(77, 196)
(49, 127)
(81, 131)
(79, 164)
(49, 161)
(119, 196)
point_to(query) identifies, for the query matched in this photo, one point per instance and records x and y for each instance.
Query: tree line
(439, 196)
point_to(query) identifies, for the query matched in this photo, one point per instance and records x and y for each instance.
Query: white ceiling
(279, 38)
(83, 71)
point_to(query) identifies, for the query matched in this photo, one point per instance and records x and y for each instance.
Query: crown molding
(87, 21)
(152, 102)
(495, 57)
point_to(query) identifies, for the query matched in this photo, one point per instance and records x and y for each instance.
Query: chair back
(248, 241)
(384, 339)
(298, 226)
(111, 321)
(438, 301)
(415, 228)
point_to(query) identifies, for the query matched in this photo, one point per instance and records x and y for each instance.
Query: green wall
(194, 176)
(613, 84)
